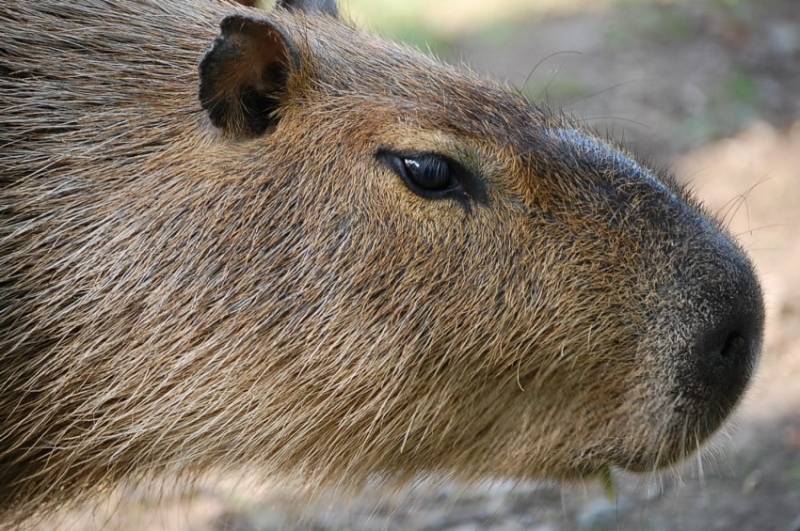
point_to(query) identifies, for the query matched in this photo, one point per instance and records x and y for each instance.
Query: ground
(711, 89)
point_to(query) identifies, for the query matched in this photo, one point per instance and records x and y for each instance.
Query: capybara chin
(268, 241)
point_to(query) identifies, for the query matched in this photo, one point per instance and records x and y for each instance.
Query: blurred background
(709, 88)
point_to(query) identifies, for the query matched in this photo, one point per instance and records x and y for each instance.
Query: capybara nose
(726, 355)
(727, 344)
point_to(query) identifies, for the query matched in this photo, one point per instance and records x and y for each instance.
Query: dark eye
(434, 176)
(430, 175)
(429, 172)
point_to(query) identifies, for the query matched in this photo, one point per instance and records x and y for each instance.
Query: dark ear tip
(237, 23)
(228, 22)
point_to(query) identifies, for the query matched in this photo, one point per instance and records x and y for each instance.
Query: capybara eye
(430, 172)
(431, 175)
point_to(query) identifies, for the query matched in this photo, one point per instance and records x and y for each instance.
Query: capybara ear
(243, 77)
(327, 7)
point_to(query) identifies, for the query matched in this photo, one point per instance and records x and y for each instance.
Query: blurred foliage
(437, 23)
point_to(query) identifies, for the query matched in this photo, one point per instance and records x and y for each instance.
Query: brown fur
(177, 297)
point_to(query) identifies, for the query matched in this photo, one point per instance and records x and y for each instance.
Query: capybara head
(323, 256)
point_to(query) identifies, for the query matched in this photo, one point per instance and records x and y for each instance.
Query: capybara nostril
(734, 346)
(726, 353)
(725, 359)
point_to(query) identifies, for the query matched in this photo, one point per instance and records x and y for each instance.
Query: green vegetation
(794, 473)
(742, 88)
(557, 90)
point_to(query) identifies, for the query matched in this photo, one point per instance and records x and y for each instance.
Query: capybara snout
(269, 241)
(677, 297)
(709, 325)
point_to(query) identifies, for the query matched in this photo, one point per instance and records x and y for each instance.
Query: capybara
(235, 239)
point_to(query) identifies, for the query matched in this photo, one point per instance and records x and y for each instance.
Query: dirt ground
(713, 90)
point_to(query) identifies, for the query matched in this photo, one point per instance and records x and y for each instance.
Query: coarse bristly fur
(246, 278)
